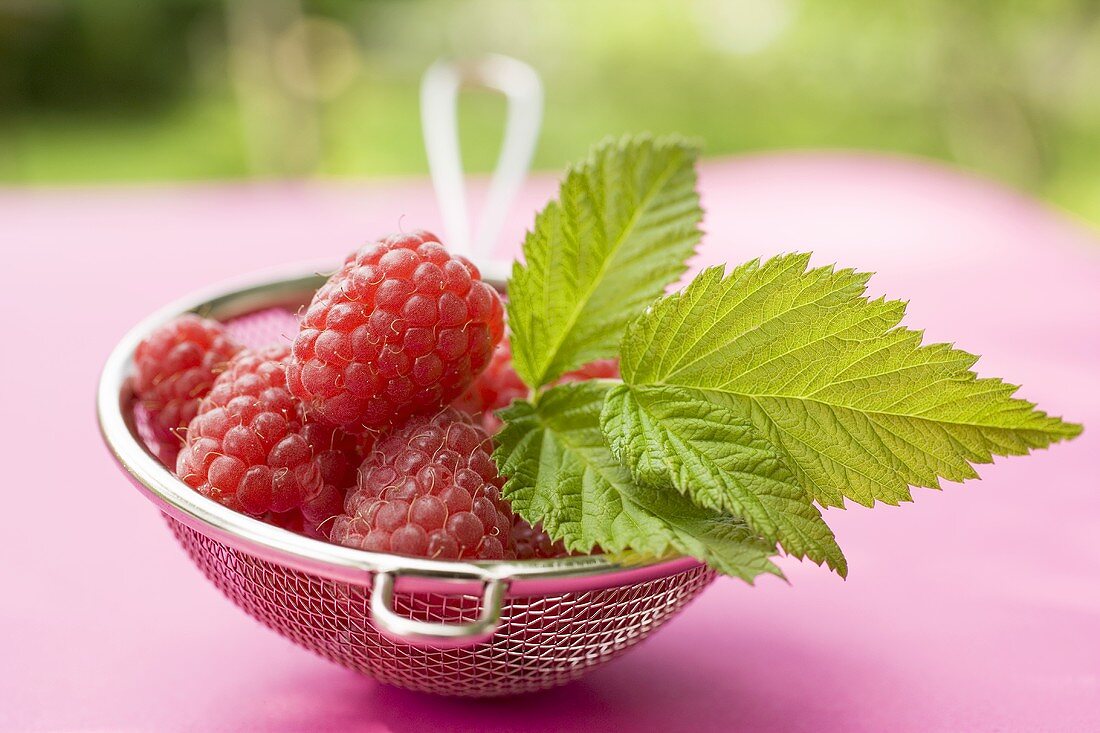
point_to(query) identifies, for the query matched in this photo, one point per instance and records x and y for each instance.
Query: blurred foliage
(114, 90)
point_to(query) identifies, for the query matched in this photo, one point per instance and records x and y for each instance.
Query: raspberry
(534, 543)
(245, 448)
(429, 489)
(499, 384)
(175, 366)
(494, 388)
(401, 329)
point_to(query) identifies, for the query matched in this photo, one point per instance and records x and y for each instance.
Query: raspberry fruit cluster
(374, 429)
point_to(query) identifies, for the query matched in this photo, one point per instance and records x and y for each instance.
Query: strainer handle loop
(408, 630)
(439, 89)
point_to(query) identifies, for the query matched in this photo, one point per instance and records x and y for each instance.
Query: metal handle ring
(439, 89)
(403, 629)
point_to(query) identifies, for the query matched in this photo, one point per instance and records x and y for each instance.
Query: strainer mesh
(542, 641)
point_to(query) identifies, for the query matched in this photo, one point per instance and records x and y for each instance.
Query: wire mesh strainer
(458, 628)
(484, 628)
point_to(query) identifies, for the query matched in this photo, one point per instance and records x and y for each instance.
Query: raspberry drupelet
(403, 328)
(245, 448)
(175, 366)
(429, 489)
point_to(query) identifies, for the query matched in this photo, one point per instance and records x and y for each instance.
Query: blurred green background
(128, 91)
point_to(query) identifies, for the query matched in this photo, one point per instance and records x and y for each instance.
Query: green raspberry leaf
(561, 473)
(624, 224)
(720, 460)
(857, 406)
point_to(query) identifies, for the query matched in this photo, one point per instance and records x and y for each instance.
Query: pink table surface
(975, 609)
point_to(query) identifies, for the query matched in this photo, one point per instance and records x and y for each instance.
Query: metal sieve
(456, 628)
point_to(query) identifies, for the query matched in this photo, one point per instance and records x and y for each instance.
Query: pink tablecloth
(976, 609)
